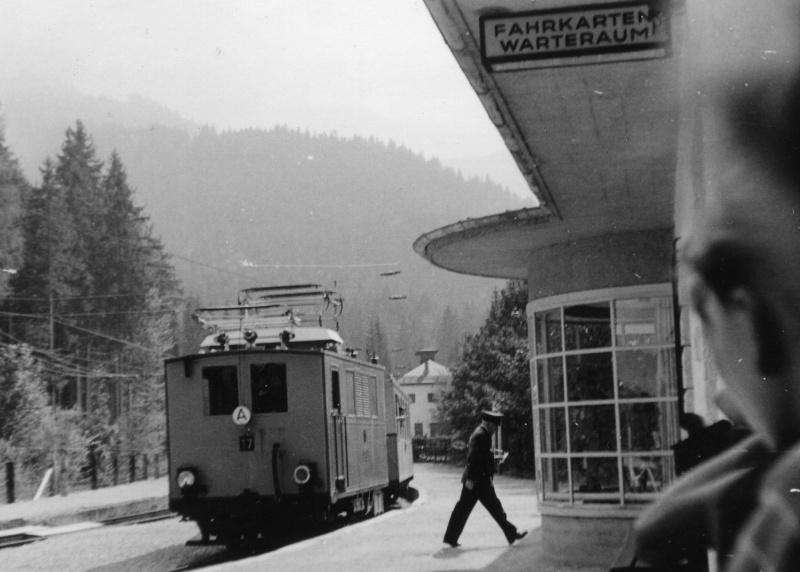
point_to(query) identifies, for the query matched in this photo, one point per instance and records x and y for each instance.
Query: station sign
(577, 35)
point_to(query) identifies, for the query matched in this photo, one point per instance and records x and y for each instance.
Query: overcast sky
(367, 67)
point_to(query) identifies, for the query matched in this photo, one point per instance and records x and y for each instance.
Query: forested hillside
(259, 207)
(90, 309)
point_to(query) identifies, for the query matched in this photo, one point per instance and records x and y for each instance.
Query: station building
(424, 386)
(603, 107)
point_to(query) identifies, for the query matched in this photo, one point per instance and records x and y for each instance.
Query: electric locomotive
(273, 422)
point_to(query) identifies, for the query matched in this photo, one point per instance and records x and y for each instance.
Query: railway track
(42, 533)
(140, 518)
(15, 540)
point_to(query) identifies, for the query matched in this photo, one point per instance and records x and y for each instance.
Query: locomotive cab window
(268, 383)
(223, 389)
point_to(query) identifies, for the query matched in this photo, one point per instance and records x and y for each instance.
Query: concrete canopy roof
(596, 142)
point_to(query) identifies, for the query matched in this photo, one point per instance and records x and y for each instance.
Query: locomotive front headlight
(186, 478)
(302, 474)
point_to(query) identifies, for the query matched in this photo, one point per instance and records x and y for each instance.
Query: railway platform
(398, 541)
(86, 506)
(411, 539)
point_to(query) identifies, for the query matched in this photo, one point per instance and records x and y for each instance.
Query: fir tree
(376, 345)
(77, 176)
(448, 338)
(12, 191)
(101, 295)
(494, 373)
(22, 394)
(49, 269)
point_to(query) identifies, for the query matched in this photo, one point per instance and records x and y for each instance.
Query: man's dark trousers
(482, 491)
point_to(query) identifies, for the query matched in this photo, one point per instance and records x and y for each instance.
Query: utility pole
(78, 377)
(87, 380)
(52, 323)
(117, 392)
(56, 392)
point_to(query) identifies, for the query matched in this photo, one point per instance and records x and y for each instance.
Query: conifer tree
(494, 373)
(120, 255)
(376, 345)
(22, 395)
(448, 338)
(77, 177)
(101, 296)
(49, 269)
(12, 190)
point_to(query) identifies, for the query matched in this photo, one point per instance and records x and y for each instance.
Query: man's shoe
(517, 536)
(452, 544)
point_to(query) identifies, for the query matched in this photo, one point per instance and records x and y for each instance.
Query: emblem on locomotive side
(241, 415)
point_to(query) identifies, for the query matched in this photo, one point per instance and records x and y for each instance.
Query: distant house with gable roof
(424, 386)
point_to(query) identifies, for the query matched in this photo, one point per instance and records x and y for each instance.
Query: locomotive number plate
(247, 443)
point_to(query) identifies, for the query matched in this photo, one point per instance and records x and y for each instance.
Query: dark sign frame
(247, 443)
(658, 7)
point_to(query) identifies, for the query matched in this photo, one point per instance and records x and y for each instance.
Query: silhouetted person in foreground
(743, 266)
(477, 484)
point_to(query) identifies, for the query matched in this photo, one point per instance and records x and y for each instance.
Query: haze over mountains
(272, 206)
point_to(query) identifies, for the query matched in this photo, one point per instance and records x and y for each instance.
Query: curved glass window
(605, 397)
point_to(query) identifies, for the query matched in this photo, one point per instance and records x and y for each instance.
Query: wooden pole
(115, 466)
(93, 466)
(132, 467)
(62, 480)
(52, 323)
(11, 322)
(10, 482)
(87, 380)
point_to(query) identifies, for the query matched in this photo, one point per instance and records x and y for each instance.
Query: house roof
(427, 372)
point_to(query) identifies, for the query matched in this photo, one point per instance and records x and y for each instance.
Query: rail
(14, 540)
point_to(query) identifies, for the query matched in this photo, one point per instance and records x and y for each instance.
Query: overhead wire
(151, 239)
(73, 315)
(53, 355)
(65, 369)
(251, 264)
(139, 313)
(179, 257)
(87, 331)
(89, 374)
(56, 359)
(217, 269)
(45, 298)
(113, 339)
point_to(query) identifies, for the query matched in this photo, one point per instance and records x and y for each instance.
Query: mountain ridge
(279, 205)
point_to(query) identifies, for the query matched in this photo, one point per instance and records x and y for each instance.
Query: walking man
(477, 484)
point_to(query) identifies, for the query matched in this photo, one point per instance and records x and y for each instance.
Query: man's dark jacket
(480, 460)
